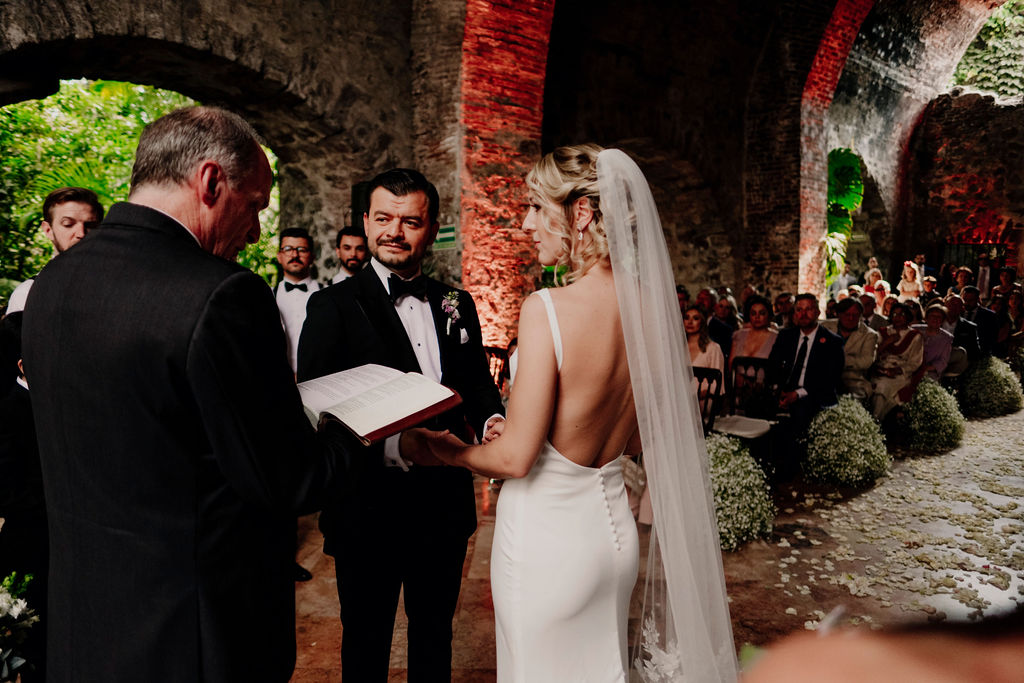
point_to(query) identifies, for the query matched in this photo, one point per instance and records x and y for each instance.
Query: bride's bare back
(594, 416)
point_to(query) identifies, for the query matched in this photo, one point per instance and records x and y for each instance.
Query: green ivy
(994, 61)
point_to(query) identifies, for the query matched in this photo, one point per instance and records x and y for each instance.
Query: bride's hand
(495, 428)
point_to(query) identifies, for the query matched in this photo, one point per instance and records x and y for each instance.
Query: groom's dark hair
(404, 181)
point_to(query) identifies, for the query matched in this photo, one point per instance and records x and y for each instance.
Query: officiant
(163, 401)
(405, 526)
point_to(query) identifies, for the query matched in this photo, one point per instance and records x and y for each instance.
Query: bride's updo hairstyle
(558, 180)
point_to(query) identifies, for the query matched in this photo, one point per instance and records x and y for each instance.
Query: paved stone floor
(941, 538)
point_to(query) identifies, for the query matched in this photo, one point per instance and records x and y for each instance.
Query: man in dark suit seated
(985, 318)
(175, 451)
(965, 333)
(808, 362)
(406, 528)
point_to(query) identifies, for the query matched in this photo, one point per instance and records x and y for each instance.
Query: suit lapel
(380, 312)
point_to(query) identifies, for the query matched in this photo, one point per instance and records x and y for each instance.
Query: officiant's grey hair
(171, 147)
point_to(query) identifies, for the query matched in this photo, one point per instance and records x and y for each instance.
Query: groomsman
(295, 255)
(406, 526)
(350, 248)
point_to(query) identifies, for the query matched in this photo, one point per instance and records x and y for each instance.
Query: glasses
(290, 250)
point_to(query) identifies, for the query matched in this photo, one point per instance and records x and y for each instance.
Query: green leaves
(845, 194)
(994, 61)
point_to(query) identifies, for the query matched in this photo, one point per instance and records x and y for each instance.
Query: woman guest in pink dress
(757, 337)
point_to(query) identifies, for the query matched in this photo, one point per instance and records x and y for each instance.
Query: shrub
(989, 388)
(932, 422)
(845, 446)
(743, 503)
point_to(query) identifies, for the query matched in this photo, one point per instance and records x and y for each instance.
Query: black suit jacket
(825, 362)
(965, 335)
(988, 328)
(175, 457)
(353, 323)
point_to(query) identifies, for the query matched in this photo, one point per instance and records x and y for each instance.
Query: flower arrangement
(450, 305)
(989, 388)
(845, 446)
(15, 620)
(932, 421)
(743, 503)
(1016, 361)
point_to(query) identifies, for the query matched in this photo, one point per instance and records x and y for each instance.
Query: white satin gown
(563, 565)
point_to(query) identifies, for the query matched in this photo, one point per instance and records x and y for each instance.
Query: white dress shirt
(292, 306)
(341, 275)
(800, 391)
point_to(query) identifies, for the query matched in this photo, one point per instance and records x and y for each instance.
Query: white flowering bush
(743, 503)
(845, 446)
(989, 388)
(15, 619)
(932, 422)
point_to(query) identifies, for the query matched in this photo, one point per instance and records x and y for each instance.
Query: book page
(323, 392)
(388, 403)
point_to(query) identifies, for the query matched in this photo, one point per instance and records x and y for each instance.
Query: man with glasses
(296, 258)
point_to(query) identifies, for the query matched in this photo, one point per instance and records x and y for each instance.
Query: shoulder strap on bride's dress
(686, 631)
(556, 334)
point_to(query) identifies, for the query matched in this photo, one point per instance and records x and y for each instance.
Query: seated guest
(748, 291)
(720, 332)
(916, 312)
(986, 320)
(871, 317)
(683, 297)
(865, 279)
(961, 278)
(909, 287)
(757, 337)
(704, 353)
(938, 343)
(808, 360)
(928, 293)
(725, 311)
(1006, 284)
(783, 311)
(871, 280)
(830, 309)
(860, 343)
(882, 294)
(965, 333)
(997, 304)
(983, 276)
(900, 353)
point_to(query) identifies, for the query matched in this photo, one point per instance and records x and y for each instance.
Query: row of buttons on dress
(608, 510)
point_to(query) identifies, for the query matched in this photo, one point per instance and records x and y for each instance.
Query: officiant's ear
(211, 182)
(582, 214)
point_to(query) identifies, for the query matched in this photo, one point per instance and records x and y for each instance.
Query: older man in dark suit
(174, 448)
(406, 528)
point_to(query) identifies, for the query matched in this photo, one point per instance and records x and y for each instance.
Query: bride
(601, 368)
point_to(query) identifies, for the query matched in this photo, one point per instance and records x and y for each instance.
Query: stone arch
(322, 86)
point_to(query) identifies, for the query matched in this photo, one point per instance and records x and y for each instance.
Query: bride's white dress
(563, 564)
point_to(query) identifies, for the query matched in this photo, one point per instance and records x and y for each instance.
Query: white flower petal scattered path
(942, 537)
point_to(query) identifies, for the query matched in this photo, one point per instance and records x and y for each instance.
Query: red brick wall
(822, 80)
(504, 56)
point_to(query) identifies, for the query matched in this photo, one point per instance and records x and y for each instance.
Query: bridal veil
(686, 632)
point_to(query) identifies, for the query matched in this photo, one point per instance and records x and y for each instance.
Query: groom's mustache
(401, 244)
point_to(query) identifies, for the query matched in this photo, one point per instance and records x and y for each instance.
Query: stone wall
(967, 174)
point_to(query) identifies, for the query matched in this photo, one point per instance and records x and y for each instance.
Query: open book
(375, 401)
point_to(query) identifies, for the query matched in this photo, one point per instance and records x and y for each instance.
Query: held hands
(494, 428)
(427, 447)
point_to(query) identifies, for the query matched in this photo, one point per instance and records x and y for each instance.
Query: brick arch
(330, 120)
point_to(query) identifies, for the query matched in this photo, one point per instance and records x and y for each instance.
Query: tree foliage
(84, 135)
(845, 194)
(994, 61)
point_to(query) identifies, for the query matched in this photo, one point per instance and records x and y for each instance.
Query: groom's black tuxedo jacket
(353, 323)
(175, 457)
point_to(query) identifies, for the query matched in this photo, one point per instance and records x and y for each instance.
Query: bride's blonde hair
(558, 180)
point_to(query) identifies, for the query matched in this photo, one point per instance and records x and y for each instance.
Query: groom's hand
(412, 446)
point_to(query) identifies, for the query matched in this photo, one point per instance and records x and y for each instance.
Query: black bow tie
(288, 286)
(416, 287)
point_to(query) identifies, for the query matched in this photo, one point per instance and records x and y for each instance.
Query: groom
(407, 526)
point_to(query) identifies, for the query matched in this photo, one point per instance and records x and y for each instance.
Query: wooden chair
(709, 395)
(755, 399)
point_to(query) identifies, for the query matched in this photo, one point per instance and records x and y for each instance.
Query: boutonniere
(450, 305)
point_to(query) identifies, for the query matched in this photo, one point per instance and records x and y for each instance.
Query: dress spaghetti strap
(556, 334)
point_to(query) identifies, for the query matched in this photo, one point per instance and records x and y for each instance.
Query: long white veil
(686, 631)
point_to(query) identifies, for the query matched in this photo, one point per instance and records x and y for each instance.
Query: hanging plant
(845, 195)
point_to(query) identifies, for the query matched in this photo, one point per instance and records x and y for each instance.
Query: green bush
(989, 388)
(845, 446)
(932, 421)
(743, 503)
